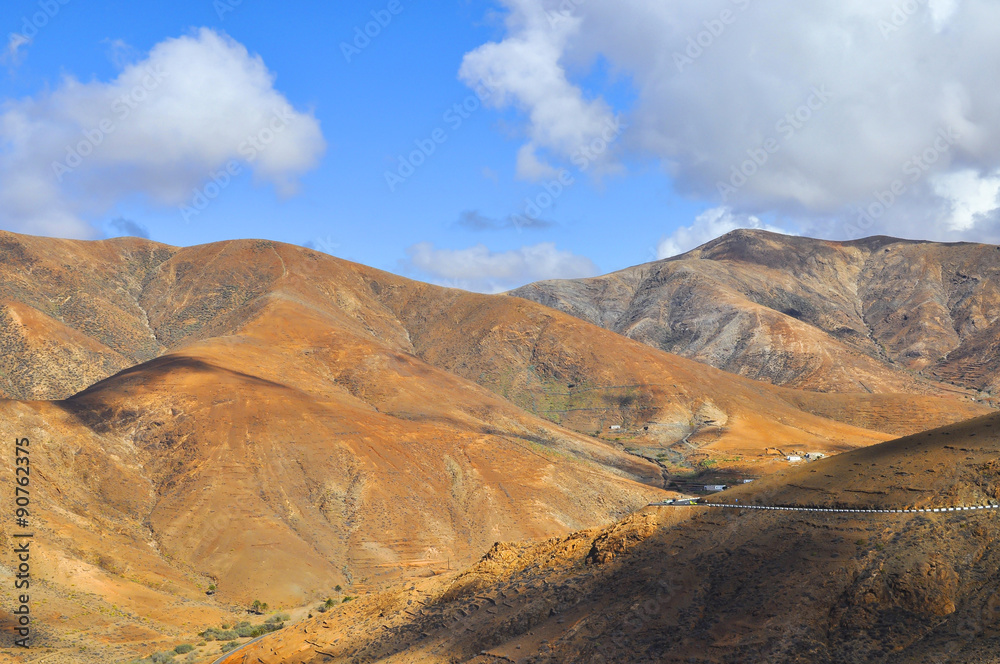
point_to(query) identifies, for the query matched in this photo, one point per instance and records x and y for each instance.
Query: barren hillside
(278, 422)
(879, 314)
(695, 584)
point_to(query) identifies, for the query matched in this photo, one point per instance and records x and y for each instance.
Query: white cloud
(525, 70)
(707, 226)
(529, 167)
(713, 80)
(160, 129)
(969, 196)
(941, 12)
(479, 269)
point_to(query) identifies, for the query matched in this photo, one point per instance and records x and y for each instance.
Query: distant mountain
(878, 315)
(674, 585)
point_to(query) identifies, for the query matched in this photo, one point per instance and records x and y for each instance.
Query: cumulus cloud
(530, 166)
(706, 227)
(722, 86)
(526, 70)
(160, 129)
(970, 197)
(479, 269)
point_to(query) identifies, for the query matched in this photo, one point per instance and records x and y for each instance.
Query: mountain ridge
(813, 314)
(277, 422)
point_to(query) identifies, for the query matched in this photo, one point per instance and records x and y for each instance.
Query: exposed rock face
(878, 314)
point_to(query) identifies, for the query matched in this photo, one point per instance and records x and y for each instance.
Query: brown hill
(278, 422)
(93, 308)
(588, 380)
(879, 314)
(721, 585)
(336, 462)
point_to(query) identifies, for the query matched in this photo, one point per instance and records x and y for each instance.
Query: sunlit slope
(879, 314)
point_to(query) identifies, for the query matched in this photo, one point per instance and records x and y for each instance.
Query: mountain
(876, 315)
(278, 422)
(714, 586)
(280, 441)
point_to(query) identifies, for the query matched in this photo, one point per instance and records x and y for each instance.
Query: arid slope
(879, 314)
(278, 422)
(721, 585)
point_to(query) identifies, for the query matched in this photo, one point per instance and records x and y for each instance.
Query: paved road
(970, 508)
(236, 650)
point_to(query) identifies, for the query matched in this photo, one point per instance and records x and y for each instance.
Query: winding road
(234, 651)
(921, 510)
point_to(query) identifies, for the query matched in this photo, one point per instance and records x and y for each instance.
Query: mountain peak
(879, 314)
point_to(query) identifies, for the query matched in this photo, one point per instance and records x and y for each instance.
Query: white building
(792, 458)
(616, 427)
(715, 487)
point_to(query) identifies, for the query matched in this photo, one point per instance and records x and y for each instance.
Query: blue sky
(652, 192)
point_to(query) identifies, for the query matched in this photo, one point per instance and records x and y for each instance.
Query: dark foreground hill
(722, 585)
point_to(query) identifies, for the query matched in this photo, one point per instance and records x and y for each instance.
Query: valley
(278, 424)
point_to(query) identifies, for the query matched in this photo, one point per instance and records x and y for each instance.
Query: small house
(715, 487)
(791, 458)
(616, 427)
